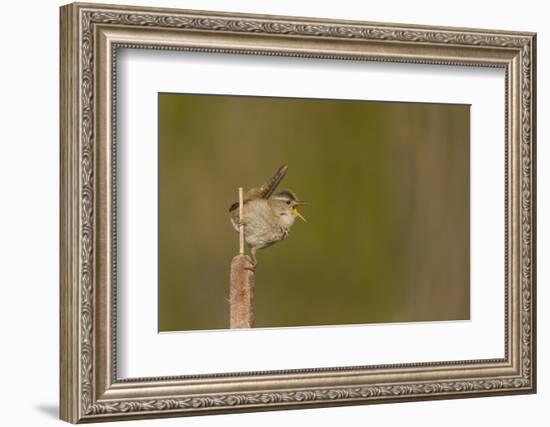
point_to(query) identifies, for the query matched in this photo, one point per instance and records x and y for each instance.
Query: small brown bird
(267, 218)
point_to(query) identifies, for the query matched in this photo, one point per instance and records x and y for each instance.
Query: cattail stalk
(241, 226)
(241, 293)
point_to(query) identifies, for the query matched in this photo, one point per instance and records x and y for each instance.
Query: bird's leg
(254, 260)
(239, 222)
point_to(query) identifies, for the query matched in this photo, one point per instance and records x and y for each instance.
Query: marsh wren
(267, 217)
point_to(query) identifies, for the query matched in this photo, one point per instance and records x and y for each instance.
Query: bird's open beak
(298, 214)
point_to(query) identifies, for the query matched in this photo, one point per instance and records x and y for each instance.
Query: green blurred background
(387, 238)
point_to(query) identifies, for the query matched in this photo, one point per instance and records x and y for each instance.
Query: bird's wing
(266, 190)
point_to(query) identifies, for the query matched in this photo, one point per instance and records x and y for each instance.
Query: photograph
(354, 211)
(261, 212)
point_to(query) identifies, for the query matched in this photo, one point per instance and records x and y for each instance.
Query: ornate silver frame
(90, 36)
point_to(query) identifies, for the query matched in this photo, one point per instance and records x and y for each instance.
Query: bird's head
(286, 202)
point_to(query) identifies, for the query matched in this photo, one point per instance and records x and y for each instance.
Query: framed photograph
(265, 212)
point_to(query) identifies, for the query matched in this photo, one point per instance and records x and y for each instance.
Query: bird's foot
(253, 263)
(252, 267)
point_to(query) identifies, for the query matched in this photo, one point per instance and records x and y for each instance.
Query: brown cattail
(241, 294)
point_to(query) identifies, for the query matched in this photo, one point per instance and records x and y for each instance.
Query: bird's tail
(266, 190)
(269, 187)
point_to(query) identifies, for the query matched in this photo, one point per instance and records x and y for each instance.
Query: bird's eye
(288, 202)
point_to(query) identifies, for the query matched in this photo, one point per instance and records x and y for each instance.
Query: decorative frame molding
(90, 36)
